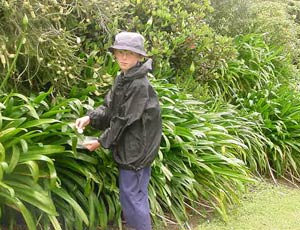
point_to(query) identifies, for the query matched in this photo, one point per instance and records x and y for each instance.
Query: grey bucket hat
(129, 41)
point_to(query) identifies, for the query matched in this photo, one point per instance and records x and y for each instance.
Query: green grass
(265, 207)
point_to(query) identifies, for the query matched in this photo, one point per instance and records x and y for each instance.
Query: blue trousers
(133, 187)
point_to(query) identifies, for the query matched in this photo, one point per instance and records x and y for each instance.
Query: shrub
(75, 190)
(178, 37)
(43, 176)
(54, 44)
(277, 20)
(278, 108)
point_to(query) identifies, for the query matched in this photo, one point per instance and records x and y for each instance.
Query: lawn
(265, 207)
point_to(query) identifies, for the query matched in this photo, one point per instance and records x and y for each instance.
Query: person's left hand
(91, 145)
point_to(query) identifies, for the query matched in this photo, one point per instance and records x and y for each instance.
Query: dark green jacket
(131, 119)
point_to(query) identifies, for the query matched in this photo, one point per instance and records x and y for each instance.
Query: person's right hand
(81, 122)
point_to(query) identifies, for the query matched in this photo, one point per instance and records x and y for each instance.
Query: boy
(131, 120)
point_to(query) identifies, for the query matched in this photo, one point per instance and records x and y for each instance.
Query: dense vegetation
(228, 91)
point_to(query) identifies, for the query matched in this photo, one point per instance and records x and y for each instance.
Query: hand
(92, 145)
(80, 123)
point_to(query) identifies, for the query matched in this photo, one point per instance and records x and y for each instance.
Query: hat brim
(118, 47)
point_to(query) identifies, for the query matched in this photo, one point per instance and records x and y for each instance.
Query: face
(127, 59)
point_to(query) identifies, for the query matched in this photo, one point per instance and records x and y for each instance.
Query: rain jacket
(131, 119)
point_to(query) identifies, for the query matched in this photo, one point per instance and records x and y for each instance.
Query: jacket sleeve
(134, 106)
(100, 117)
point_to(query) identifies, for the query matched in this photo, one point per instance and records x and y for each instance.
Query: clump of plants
(51, 43)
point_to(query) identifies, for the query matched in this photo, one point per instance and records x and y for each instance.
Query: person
(130, 118)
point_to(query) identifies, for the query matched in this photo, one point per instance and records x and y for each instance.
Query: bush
(259, 84)
(231, 17)
(50, 43)
(278, 109)
(277, 20)
(43, 176)
(73, 189)
(178, 37)
(257, 64)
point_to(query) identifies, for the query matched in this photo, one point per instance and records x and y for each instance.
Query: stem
(11, 69)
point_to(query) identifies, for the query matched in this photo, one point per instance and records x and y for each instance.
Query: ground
(266, 206)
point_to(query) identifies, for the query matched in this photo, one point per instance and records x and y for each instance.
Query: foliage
(46, 50)
(277, 20)
(247, 127)
(279, 107)
(231, 17)
(245, 116)
(258, 84)
(20, 171)
(43, 176)
(179, 39)
(197, 160)
(256, 65)
(69, 49)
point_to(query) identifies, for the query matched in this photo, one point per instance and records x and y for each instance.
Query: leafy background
(228, 88)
